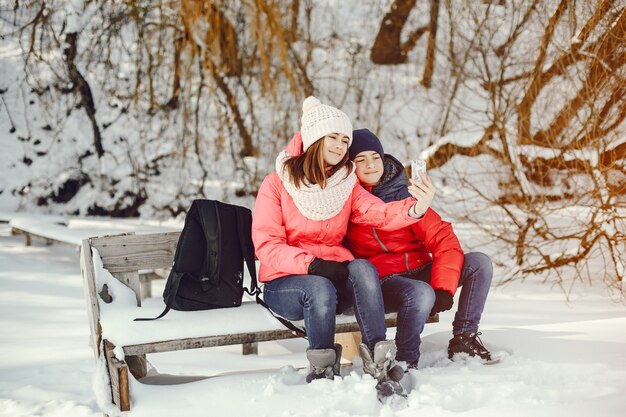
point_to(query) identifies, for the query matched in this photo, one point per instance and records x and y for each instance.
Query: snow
(557, 357)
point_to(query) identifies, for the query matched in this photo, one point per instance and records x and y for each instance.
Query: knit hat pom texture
(309, 103)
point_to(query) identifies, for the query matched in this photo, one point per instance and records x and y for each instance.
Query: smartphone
(417, 166)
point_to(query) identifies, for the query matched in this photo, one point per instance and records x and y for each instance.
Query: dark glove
(443, 302)
(335, 272)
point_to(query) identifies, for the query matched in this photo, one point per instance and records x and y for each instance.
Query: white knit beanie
(319, 120)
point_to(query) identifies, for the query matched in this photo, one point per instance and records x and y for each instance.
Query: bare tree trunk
(228, 50)
(429, 65)
(247, 148)
(293, 30)
(80, 85)
(388, 49)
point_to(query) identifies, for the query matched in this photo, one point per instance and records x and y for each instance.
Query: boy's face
(369, 167)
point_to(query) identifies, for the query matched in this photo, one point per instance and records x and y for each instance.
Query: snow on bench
(48, 228)
(110, 265)
(73, 231)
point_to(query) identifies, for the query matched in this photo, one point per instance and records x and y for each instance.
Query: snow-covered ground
(558, 358)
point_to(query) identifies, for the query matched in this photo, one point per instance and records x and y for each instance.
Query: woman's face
(369, 167)
(335, 148)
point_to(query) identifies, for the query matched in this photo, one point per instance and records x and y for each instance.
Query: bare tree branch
(535, 86)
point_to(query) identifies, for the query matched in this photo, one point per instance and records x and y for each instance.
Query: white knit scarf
(313, 201)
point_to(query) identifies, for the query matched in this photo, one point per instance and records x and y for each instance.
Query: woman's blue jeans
(315, 299)
(412, 297)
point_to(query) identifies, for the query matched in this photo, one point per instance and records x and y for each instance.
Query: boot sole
(463, 357)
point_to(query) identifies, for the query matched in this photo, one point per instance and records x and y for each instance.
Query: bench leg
(350, 343)
(137, 365)
(145, 283)
(250, 348)
(118, 375)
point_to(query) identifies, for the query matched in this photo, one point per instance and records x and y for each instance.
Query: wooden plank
(145, 286)
(250, 349)
(239, 338)
(137, 365)
(230, 339)
(123, 253)
(349, 343)
(209, 341)
(145, 281)
(131, 280)
(91, 296)
(118, 374)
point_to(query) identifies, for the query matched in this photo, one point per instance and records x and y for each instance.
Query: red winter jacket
(286, 242)
(404, 250)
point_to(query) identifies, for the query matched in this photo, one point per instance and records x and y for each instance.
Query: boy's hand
(443, 302)
(423, 192)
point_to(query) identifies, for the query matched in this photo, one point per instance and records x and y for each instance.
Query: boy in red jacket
(420, 266)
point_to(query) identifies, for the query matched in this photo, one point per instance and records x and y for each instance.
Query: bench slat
(126, 253)
(233, 339)
(89, 287)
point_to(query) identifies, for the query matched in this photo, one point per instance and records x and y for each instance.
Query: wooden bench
(51, 230)
(56, 229)
(122, 343)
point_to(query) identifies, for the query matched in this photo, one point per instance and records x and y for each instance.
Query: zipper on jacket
(406, 261)
(379, 241)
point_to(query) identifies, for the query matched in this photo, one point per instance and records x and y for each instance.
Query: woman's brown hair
(310, 166)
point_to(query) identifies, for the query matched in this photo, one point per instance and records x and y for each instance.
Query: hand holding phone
(417, 166)
(421, 189)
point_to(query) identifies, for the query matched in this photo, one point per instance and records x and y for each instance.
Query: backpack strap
(244, 229)
(173, 282)
(295, 329)
(209, 217)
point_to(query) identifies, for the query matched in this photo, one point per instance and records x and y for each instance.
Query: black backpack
(207, 272)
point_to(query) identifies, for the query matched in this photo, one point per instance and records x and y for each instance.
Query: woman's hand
(423, 192)
(335, 272)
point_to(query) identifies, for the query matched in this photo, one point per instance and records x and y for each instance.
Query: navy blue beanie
(364, 140)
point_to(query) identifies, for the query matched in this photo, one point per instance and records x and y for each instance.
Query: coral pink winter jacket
(286, 242)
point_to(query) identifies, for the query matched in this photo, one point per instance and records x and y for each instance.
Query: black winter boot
(322, 363)
(470, 344)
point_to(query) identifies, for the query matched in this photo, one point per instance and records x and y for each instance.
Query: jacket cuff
(413, 214)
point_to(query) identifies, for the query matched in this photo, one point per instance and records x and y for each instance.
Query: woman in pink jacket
(300, 219)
